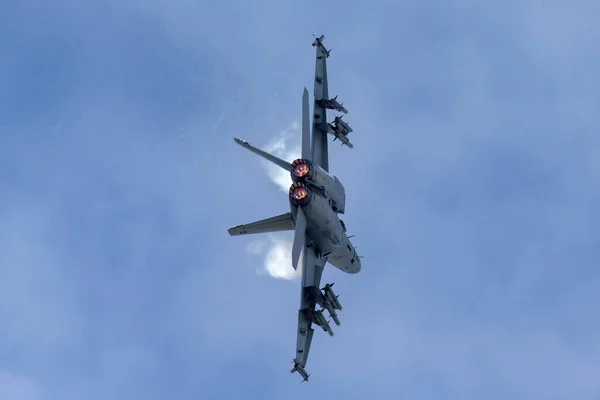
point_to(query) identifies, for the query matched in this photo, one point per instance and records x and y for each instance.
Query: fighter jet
(316, 199)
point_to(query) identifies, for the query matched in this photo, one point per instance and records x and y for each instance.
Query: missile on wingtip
(300, 369)
(241, 142)
(318, 40)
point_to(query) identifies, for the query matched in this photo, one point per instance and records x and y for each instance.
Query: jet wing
(312, 270)
(339, 128)
(321, 95)
(283, 222)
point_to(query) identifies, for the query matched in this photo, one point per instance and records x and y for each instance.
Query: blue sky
(472, 190)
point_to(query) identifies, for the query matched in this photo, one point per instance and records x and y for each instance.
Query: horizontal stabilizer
(275, 160)
(283, 222)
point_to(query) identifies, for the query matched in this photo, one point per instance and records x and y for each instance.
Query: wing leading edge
(321, 94)
(338, 128)
(312, 270)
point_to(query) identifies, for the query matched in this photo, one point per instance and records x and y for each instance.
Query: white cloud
(277, 250)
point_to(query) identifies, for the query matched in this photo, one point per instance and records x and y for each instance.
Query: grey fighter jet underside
(316, 198)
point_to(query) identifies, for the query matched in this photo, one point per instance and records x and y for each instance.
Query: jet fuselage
(321, 197)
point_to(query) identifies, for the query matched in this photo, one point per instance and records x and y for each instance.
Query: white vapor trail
(277, 252)
(286, 146)
(277, 248)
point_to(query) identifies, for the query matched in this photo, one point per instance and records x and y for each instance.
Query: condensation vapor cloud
(286, 146)
(277, 248)
(277, 253)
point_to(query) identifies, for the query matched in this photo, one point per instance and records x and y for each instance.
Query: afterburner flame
(299, 193)
(301, 169)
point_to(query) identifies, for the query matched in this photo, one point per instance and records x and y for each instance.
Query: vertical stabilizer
(299, 237)
(306, 149)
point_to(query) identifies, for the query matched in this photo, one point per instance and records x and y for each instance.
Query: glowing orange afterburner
(299, 193)
(301, 169)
